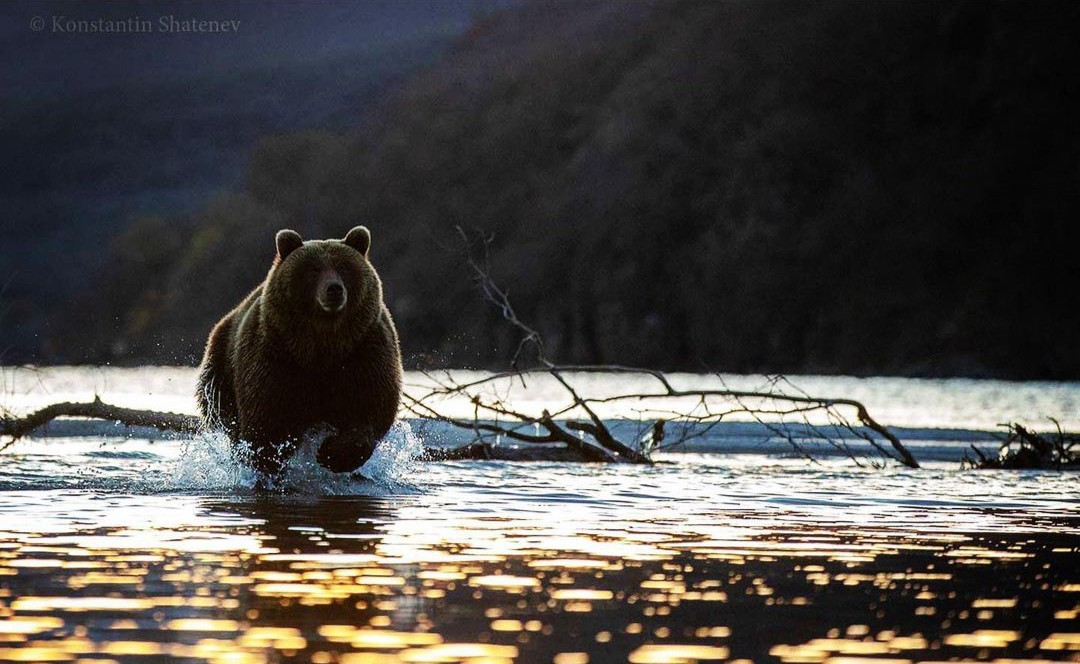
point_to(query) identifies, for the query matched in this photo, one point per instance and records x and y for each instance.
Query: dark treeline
(859, 187)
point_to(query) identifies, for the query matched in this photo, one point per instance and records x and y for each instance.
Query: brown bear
(313, 345)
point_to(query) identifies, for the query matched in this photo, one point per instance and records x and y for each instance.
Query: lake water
(137, 548)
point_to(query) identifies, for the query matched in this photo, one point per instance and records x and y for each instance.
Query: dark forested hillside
(858, 187)
(100, 129)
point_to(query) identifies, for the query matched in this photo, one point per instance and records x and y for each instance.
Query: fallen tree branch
(1025, 448)
(593, 435)
(18, 427)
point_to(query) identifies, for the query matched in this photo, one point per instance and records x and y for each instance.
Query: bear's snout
(332, 294)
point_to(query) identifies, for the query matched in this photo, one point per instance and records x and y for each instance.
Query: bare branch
(18, 427)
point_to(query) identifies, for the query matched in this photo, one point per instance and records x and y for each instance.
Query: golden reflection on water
(364, 580)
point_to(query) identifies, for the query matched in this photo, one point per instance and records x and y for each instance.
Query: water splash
(396, 458)
(210, 462)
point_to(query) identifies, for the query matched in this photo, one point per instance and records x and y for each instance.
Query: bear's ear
(287, 242)
(359, 238)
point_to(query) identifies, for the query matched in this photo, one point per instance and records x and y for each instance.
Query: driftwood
(19, 427)
(1023, 448)
(494, 419)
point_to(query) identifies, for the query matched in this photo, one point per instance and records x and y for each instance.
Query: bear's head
(322, 295)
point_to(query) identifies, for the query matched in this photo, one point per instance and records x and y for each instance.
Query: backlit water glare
(135, 550)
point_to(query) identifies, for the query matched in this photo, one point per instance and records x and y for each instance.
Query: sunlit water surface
(135, 550)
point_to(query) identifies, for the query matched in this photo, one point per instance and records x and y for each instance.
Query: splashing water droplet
(211, 463)
(396, 458)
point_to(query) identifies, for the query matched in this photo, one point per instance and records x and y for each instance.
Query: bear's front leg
(269, 457)
(347, 451)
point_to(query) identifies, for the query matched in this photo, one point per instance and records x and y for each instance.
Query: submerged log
(489, 452)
